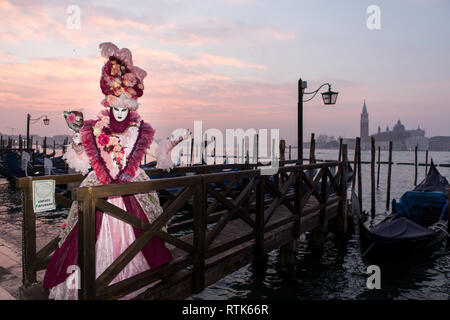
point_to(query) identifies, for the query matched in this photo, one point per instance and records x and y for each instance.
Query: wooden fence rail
(219, 201)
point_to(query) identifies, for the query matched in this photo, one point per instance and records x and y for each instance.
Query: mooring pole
(372, 176)
(355, 167)
(192, 150)
(448, 223)
(312, 150)
(206, 154)
(379, 167)
(388, 192)
(214, 149)
(426, 163)
(415, 165)
(340, 149)
(358, 142)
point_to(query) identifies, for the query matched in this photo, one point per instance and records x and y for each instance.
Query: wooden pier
(238, 215)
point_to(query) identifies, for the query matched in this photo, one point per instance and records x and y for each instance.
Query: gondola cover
(399, 230)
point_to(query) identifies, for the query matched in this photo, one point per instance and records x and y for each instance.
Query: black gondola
(416, 226)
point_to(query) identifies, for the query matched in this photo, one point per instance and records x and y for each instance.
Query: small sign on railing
(43, 195)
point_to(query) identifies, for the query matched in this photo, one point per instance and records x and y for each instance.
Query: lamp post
(329, 97)
(29, 120)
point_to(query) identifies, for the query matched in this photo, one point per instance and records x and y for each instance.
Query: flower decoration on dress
(110, 142)
(121, 82)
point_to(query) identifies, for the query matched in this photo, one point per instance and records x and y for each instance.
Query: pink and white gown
(112, 236)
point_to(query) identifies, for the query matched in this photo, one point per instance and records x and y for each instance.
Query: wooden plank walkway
(179, 285)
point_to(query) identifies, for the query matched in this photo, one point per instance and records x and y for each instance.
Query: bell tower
(364, 124)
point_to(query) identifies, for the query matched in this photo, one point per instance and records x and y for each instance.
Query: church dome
(399, 127)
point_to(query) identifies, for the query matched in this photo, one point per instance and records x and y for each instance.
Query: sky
(231, 63)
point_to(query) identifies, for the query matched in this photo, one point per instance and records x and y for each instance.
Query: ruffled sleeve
(77, 160)
(161, 150)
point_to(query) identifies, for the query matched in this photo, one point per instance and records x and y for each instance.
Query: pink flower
(70, 118)
(103, 139)
(63, 226)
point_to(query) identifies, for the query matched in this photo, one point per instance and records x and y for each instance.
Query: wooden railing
(33, 261)
(239, 195)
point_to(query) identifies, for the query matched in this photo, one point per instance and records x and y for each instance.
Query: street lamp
(329, 97)
(46, 121)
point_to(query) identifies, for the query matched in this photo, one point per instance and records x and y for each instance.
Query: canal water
(335, 273)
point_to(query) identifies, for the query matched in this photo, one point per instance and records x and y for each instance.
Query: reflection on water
(336, 273)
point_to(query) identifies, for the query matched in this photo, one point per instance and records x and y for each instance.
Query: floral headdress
(121, 82)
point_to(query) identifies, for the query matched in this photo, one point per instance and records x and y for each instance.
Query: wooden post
(426, 163)
(205, 161)
(66, 141)
(243, 150)
(192, 150)
(28, 236)
(379, 167)
(214, 149)
(298, 202)
(282, 150)
(287, 256)
(86, 247)
(290, 152)
(318, 235)
(358, 142)
(20, 143)
(199, 237)
(448, 223)
(388, 192)
(54, 146)
(340, 149)
(372, 176)
(257, 148)
(45, 146)
(415, 165)
(355, 167)
(343, 203)
(259, 234)
(312, 150)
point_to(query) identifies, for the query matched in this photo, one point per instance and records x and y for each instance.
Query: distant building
(364, 123)
(439, 143)
(401, 138)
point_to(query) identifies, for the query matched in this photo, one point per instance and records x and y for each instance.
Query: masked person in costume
(113, 145)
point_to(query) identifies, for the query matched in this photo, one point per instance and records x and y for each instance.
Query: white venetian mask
(120, 113)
